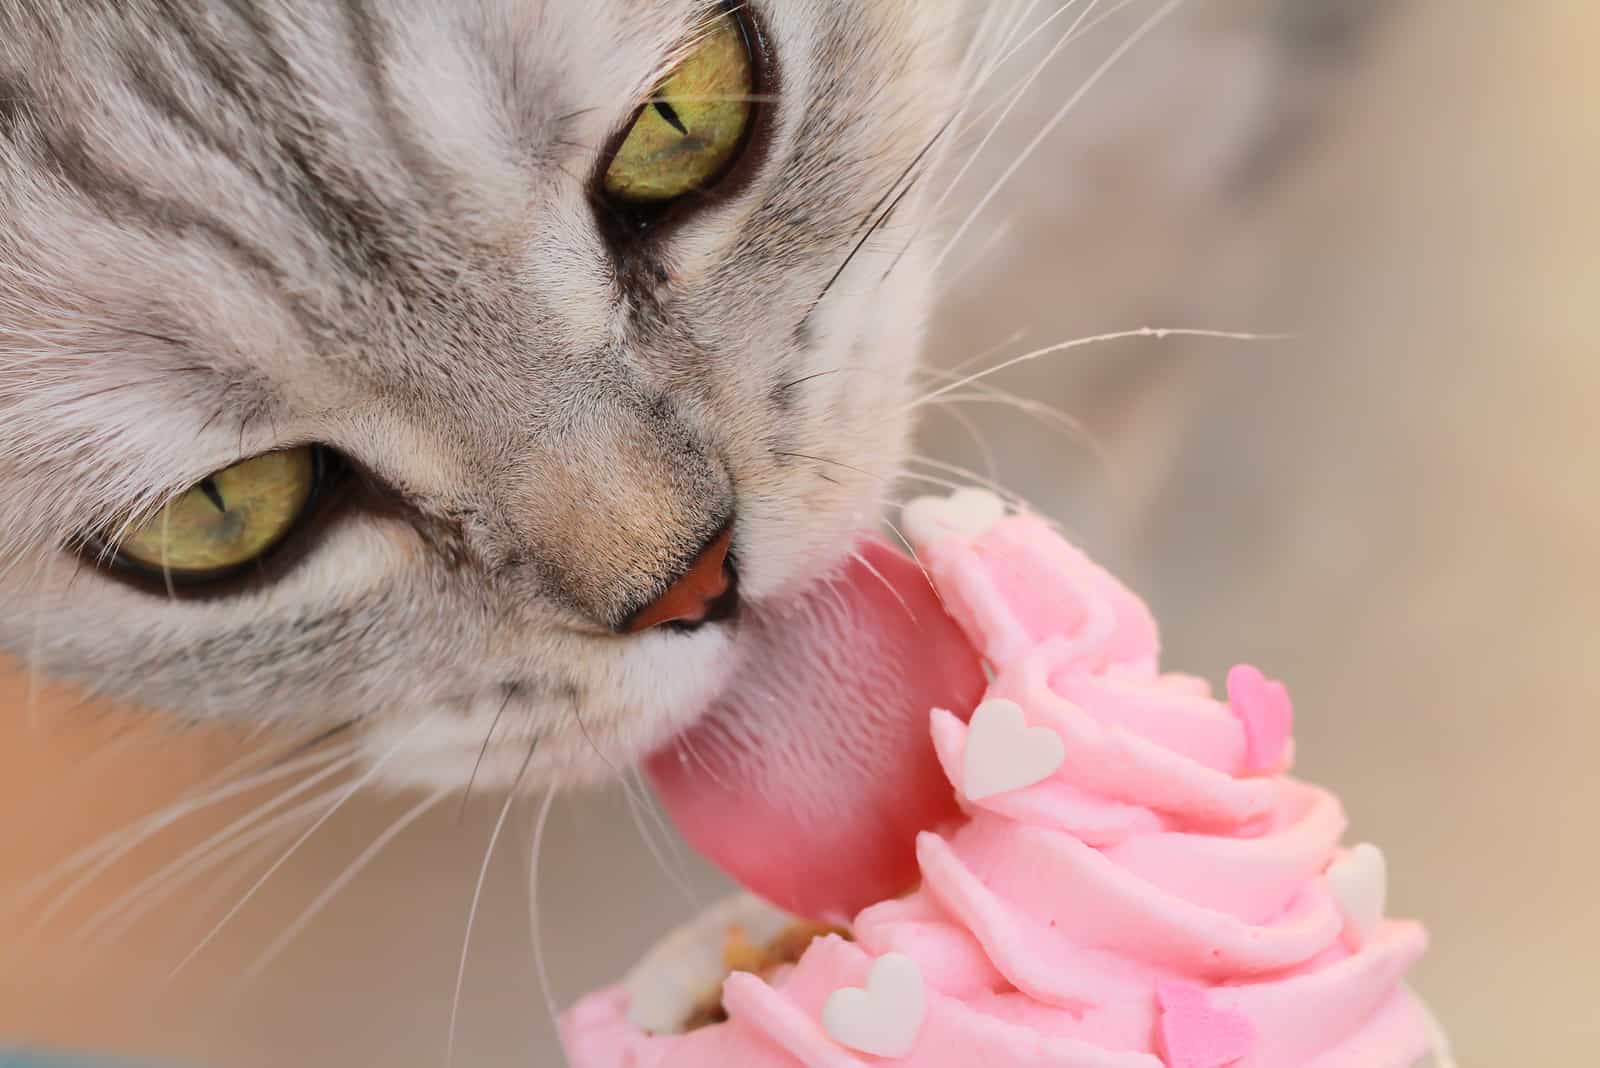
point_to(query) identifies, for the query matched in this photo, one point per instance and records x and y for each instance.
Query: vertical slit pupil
(670, 114)
(213, 494)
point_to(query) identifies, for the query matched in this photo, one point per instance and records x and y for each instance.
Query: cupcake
(1127, 877)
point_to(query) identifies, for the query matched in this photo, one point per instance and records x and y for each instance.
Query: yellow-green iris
(694, 124)
(227, 520)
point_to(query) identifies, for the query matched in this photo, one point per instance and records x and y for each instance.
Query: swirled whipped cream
(1134, 881)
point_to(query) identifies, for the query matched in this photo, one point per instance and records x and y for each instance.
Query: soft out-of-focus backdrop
(1396, 510)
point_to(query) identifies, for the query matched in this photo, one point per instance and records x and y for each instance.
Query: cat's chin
(537, 740)
(636, 694)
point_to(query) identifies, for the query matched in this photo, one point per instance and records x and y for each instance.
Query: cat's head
(526, 387)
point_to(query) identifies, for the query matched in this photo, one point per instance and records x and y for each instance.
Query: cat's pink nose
(703, 593)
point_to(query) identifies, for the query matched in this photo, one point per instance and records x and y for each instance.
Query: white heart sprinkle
(966, 512)
(885, 1018)
(1359, 882)
(1005, 754)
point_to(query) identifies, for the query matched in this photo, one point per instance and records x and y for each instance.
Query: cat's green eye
(694, 125)
(228, 521)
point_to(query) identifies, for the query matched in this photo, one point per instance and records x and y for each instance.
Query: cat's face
(376, 227)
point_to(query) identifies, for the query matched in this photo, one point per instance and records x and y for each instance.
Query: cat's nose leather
(701, 594)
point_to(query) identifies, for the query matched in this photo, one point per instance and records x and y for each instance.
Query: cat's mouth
(809, 778)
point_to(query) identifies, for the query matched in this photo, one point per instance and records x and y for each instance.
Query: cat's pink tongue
(809, 782)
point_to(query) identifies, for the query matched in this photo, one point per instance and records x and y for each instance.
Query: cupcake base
(669, 990)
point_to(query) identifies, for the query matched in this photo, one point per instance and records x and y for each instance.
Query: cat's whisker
(725, 98)
(101, 855)
(116, 919)
(208, 900)
(980, 62)
(875, 573)
(951, 281)
(653, 812)
(483, 751)
(540, 964)
(882, 211)
(975, 90)
(950, 374)
(371, 773)
(974, 431)
(151, 891)
(21, 821)
(911, 551)
(636, 810)
(195, 856)
(1014, 500)
(1013, 46)
(35, 679)
(1020, 93)
(1081, 31)
(310, 745)
(634, 802)
(1047, 415)
(831, 463)
(276, 948)
(1066, 109)
(477, 898)
(688, 750)
(1156, 333)
(215, 890)
(951, 485)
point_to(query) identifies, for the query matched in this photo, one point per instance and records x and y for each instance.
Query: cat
(231, 229)
(382, 240)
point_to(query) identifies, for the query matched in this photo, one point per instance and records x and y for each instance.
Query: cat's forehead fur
(226, 228)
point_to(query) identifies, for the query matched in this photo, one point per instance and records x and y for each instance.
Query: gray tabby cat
(390, 362)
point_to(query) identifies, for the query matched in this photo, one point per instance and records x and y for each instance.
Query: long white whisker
(952, 485)
(637, 806)
(1060, 116)
(355, 868)
(653, 812)
(28, 818)
(687, 750)
(1082, 31)
(952, 280)
(1158, 333)
(950, 374)
(107, 926)
(244, 867)
(916, 558)
(1021, 92)
(255, 888)
(197, 853)
(35, 642)
(103, 854)
(540, 964)
(477, 897)
(875, 573)
(970, 425)
(635, 802)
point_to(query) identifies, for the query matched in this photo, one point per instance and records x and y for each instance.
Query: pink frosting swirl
(1168, 851)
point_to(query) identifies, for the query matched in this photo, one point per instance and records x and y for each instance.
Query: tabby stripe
(14, 103)
(368, 32)
(158, 95)
(352, 225)
(117, 196)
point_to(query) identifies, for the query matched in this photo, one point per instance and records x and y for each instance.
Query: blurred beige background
(1396, 510)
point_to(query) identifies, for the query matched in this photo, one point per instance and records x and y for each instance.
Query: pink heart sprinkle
(1263, 706)
(1195, 1034)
